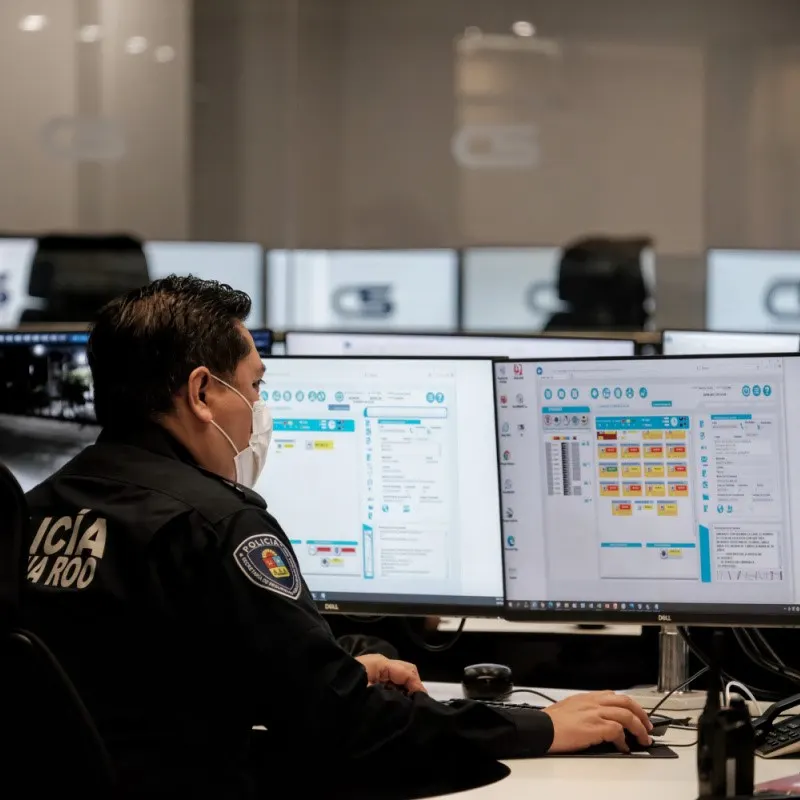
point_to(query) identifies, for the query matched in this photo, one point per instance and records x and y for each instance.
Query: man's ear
(197, 388)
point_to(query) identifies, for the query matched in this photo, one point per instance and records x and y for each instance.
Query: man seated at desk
(174, 600)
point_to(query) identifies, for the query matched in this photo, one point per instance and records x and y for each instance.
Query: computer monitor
(363, 289)
(696, 343)
(517, 288)
(46, 402)
(652, 489)
(264, 341)
(239, 264)
(753, 290)
(510, 288)
(319, 343)
(383, 473)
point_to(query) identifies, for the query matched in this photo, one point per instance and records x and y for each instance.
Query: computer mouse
(660, 724)
(634, 745)
(487, 681)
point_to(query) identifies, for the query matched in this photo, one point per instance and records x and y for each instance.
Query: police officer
(175, 601)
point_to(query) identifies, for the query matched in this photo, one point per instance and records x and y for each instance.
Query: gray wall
(332, 122)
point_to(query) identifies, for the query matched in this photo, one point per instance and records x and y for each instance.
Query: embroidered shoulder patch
(268, 563)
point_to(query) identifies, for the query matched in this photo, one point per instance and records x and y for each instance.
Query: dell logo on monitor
(365, 302)
(665, 618)
(331, 607)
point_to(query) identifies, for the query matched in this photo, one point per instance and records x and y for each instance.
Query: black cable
(369, 619)
(698, 653)
(750, 649)
(677, 689)
(434, 648)
(768, 647)
(532, 691)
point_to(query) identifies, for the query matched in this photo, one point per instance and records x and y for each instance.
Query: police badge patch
(268, 563)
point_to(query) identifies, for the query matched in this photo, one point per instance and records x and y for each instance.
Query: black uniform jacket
(174, 600)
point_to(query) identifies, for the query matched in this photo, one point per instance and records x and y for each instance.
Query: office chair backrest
(53, 744)
(13, 523)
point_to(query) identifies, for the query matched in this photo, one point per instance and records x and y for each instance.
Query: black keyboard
(782, 740)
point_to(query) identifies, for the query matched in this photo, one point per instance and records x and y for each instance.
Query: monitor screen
(516, 288)
(318, 343)
(696, 343)
(753, 290)
(383, 473)
(511, 289)
(263, 340)
(660, 487)
(365, 289)
(239, 264)
(46, 402)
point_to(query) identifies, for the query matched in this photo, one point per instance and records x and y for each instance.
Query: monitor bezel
(700, 617)
(712, 332)
(559, 336)
(400, 607)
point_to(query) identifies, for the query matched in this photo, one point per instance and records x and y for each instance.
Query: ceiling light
(523, 28)
(136, 45)
(165, 53)
(90, 33)
(32, 23)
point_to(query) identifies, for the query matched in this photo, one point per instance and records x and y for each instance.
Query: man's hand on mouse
(395, 673)
(588, 719)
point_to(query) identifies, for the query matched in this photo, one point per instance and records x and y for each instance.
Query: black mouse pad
(603, 751)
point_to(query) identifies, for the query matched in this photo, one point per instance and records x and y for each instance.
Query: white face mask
(250, 462)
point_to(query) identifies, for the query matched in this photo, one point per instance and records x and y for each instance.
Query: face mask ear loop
(230, 441)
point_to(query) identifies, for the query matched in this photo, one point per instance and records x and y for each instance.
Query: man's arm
(243, 581)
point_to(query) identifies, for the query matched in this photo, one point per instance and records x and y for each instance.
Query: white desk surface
(479, 625)
(634, 778)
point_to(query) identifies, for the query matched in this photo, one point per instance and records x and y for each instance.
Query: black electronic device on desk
(727, 742)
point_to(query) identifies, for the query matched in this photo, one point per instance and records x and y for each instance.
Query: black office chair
(53, 744)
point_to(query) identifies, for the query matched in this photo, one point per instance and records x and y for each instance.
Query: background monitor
(318, 343)
(46, 402)
(263, 339)
(654, 489)
(366, 289)
(510, 289)
(239, 264)
(753, 290)
(383, 473)
(692, 343)
(516, 289)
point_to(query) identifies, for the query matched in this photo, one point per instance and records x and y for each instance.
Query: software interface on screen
(364, 289)
(315, 343)
(695, 343)
(46, 402)
(753, 290)
(239, 264)
(651, 484)
(383, 473)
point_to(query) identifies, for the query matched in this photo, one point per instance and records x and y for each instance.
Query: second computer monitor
(695, 343)
(383, 473)
(656, 489)
(305, 343)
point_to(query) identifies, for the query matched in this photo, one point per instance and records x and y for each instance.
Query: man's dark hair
(145, 344)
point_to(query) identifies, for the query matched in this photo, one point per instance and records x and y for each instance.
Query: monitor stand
(673, 669)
